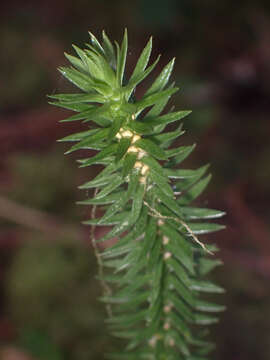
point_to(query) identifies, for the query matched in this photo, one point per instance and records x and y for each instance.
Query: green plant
(153, 294)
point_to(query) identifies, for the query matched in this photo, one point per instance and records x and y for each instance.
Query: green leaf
(107, 74)
(77, 63)
(180, 325)
(81, 98)
(123, 146)
(194, 191)
(109, 49)
(208, 307)
(78, 136)
(117, 230)
(98, 182)
(118, 205)
(113, 220)
(118, 180)
(202, 319)
(168, 118)
(128, 163)
(82, 81)
(90, 140)
(93, 67)
(194, 213)
(137, 203)
(116, 126)
(165, 139)
(152, 99)
(140, 127)
(181, 307)
(137, 79)
(205, 286)
(182, 154)
(153, 165)
(151, 148)
(179, 247)
(206, 265)
(96, 44)
(181, 173)
(155, 264)
(162, 80)
(157, 175)
(93, 113)
(181, 273)
(162, 184)
(121, 59)
(73, 107)
(127, 320)
(169, 202)
(103, 201)
(143, 60)
(150, 235)
(204, 228)
(182, 291)
(109, 150)
(158, 108)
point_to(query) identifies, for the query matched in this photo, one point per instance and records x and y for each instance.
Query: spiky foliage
(158, 263)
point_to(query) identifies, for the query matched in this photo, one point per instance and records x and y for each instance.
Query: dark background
(48, 290)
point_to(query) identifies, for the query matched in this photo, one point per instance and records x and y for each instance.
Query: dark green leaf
(128, 164)
(165, 139)
(194, 191)
(151, 148)
(140, 127)
(123, 146)
(168, 118)
(116, 126)
(109, 150)
(75, 98)
(89, 140)
(201, 213)
(162, 79)
(162, 184)
(208, 307)
(205, 286)
(204, 228)
(137, 79)
(181, 173)
(78, 136)
(206, 265)
(182, 154)
(117, 181)
(152, 99)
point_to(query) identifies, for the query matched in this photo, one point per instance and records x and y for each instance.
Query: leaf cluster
(157, 265)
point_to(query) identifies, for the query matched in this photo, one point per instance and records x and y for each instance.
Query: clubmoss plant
(154, 291)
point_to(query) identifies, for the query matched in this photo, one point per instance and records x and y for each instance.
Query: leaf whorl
(157, 263)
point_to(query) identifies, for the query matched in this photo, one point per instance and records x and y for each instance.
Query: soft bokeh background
(48, 290)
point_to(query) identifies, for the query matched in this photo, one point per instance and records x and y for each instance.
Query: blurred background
(48, 290)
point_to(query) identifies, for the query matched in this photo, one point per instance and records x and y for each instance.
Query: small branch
(36, 220)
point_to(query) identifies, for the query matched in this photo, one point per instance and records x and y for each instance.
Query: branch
(37, 220)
